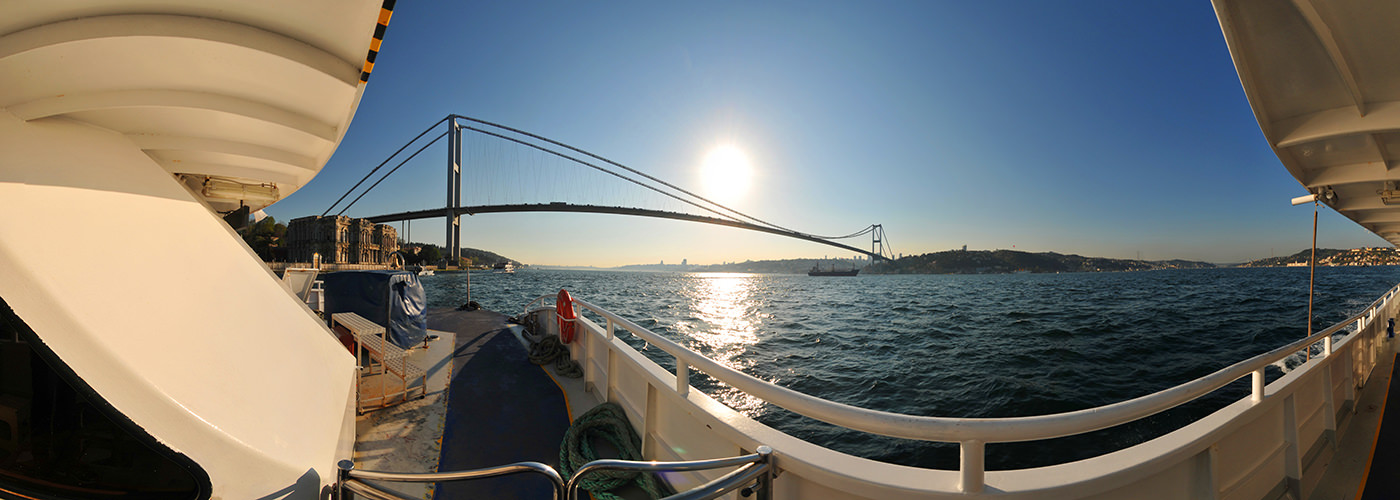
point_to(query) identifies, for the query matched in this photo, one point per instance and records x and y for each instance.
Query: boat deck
(500, 408)
(1381, 478)
(1362, 425)
(406, 437)
(486, 405)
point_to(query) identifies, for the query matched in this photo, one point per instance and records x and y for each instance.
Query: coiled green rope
(548, 350)
(607, 422)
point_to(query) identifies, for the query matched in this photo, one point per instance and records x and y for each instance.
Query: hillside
(484, 257)
(1011, 261)
(949, 262)
(784, 266)
(1377, 256)
(429, 253)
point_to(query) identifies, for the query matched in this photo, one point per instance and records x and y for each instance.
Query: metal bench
(391, 359)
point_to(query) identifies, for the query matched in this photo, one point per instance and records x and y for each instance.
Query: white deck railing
(973, 433)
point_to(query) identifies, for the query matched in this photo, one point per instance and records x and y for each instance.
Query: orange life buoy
(564, 312)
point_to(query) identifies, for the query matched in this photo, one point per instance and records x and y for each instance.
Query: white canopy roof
(257, 93)
(1323, 78)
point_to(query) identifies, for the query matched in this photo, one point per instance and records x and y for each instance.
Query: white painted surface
(1279, 444)
(102, 104)
(219, 360)
(258, 93)
(1324, 85)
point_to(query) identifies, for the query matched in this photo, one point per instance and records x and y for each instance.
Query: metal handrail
(730, 482)
(541, 298)
(755, 465)
(348, 476)
(351, 487)
(972, 434)
(981, 430)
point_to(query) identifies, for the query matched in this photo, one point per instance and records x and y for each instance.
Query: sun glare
(725, 174)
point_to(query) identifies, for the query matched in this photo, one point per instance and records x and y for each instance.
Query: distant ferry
(832, 272)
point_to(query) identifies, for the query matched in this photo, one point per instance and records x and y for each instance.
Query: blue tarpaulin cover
(391, 298)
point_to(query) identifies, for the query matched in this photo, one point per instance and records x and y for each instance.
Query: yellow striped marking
(567, 409)
(385, 13)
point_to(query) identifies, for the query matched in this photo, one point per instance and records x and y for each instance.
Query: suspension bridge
(455, 128)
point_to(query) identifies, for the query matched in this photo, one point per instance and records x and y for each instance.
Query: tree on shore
(429, 254)
(265, 238)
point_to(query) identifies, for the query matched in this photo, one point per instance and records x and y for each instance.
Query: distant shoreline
(1011, 262)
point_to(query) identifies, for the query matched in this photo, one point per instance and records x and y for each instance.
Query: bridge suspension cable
(862, 232)
(604, 170)
(878, 250)
(391, 172)
(381, 165)
(627, 168)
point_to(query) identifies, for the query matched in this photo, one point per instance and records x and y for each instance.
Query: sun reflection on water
(723, 322)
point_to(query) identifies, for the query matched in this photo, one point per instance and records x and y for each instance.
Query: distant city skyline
(1089, 128)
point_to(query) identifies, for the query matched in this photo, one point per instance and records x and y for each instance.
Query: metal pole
(765, 482)
(342, 475)
(457, 202)
(1312, 270)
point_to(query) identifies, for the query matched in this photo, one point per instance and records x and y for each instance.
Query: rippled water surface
(960, 346)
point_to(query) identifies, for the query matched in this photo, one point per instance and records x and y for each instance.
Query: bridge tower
(454, 192)
(877, 241)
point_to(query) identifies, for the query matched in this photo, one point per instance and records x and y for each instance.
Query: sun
(725, 174)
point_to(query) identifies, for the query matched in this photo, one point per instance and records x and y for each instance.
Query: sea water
(959, 345)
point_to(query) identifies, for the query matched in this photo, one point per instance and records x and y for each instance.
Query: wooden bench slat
(370, 337)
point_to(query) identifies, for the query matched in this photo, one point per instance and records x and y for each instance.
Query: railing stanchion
(971, 472)
(1327, 346)
(342, 475)
(611, 328)
(682, 377)
(765, 481)
(1257, 394)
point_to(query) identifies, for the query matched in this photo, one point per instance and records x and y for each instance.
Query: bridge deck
(599, 209)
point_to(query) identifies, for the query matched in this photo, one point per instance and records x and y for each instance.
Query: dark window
(58, 439)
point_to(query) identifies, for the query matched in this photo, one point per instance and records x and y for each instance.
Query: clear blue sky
(1097, 128)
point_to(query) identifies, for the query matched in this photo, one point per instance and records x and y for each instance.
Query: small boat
(505, 268)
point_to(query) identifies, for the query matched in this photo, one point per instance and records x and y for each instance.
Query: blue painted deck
(1383, 474)
(501, 409)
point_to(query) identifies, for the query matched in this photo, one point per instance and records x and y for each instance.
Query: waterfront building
(340, 240)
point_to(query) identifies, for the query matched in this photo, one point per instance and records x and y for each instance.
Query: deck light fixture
(214, 187)
(1323, 195)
